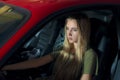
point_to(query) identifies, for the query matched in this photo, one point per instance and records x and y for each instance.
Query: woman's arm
(86, 77)
(29, 64)
(89, 65)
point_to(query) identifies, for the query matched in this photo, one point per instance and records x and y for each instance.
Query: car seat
(103, 42)
(115, 68)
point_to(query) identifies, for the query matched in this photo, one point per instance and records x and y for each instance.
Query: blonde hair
(68, 65)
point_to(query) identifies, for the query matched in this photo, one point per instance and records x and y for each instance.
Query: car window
(10, 21)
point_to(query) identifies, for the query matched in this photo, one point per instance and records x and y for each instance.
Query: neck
(75, 45)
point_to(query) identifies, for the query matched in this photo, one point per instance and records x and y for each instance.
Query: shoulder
(90, 53)
(90, 56)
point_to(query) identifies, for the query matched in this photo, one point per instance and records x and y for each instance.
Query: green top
(90, 64)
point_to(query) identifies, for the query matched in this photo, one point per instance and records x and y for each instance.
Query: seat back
(103, 42)
(115, 68)
(98, 38)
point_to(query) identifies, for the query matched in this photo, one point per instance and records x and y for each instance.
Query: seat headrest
(98, 32)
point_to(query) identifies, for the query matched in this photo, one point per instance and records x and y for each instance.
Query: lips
(69, 38)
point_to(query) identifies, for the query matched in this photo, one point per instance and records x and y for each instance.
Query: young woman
(75, 61)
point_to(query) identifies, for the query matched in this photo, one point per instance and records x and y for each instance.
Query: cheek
(75, 36)
(67, 33)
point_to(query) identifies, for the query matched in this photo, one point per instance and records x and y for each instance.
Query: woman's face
(72, 31)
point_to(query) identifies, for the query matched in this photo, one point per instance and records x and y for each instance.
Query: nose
(70, 32)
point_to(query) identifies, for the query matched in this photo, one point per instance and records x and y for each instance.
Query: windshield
(11, 19)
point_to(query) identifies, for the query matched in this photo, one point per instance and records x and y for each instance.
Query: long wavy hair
(68, 65)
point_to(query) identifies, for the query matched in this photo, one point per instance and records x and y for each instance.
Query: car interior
(50, 38)
(115, 68)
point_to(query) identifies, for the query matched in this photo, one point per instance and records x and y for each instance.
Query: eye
(75, 29)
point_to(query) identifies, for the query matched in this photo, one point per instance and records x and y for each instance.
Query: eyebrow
(72, 27)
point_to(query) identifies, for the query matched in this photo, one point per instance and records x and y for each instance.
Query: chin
(71, 42)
